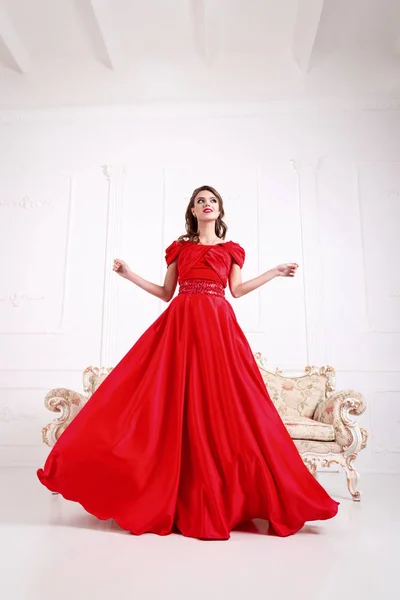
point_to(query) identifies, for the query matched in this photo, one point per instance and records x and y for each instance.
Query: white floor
(51, 548)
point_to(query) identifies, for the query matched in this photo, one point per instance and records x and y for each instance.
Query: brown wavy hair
(191, 225)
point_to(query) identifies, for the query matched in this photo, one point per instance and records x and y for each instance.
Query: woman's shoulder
(236, 251)
(174, 249)
(232, 244)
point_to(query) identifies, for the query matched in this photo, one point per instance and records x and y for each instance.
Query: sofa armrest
(64, 401)
(336, 410)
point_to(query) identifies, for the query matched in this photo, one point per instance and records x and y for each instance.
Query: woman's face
(206, 207)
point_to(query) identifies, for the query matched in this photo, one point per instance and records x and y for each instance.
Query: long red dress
(182, 435)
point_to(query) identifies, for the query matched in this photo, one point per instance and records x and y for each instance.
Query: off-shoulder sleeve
(237, 252)
(172, 252)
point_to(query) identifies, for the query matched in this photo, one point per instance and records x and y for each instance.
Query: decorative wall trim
(311, 251)
(26, 203)
(7, 415)
(163, 240)
(16, 299)
(115, 175)
(392, 191)
(23, 387)
(259, 291)
(223, 109)
(112, 172)
(72, 182)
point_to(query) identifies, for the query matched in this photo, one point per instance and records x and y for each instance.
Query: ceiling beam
(107, 34)
(204, 30)
(305, 31)
(18, 57)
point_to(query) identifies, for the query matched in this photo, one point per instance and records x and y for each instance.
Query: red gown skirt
(182, 435)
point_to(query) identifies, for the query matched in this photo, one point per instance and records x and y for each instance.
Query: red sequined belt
(201, 286)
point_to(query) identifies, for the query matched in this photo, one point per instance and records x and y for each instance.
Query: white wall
(316, 186)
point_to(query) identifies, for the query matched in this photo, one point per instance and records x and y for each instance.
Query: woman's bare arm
(240, 288)
(164, 292)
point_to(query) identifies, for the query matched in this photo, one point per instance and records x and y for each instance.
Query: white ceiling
(56, 53)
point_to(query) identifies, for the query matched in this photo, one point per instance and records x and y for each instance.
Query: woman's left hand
(286, 270)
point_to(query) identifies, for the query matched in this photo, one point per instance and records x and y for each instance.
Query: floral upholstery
(330, 412)
(297, 396)
(317, 447)
(302, 428)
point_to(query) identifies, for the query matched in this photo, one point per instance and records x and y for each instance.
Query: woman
(182, 435)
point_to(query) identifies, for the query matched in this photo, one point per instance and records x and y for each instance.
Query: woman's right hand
(121, 268)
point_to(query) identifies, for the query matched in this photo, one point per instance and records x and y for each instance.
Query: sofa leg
(352, 476)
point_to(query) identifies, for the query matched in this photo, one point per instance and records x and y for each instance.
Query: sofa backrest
(297, 396)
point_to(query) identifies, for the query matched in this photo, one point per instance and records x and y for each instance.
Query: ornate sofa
(318, 419)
